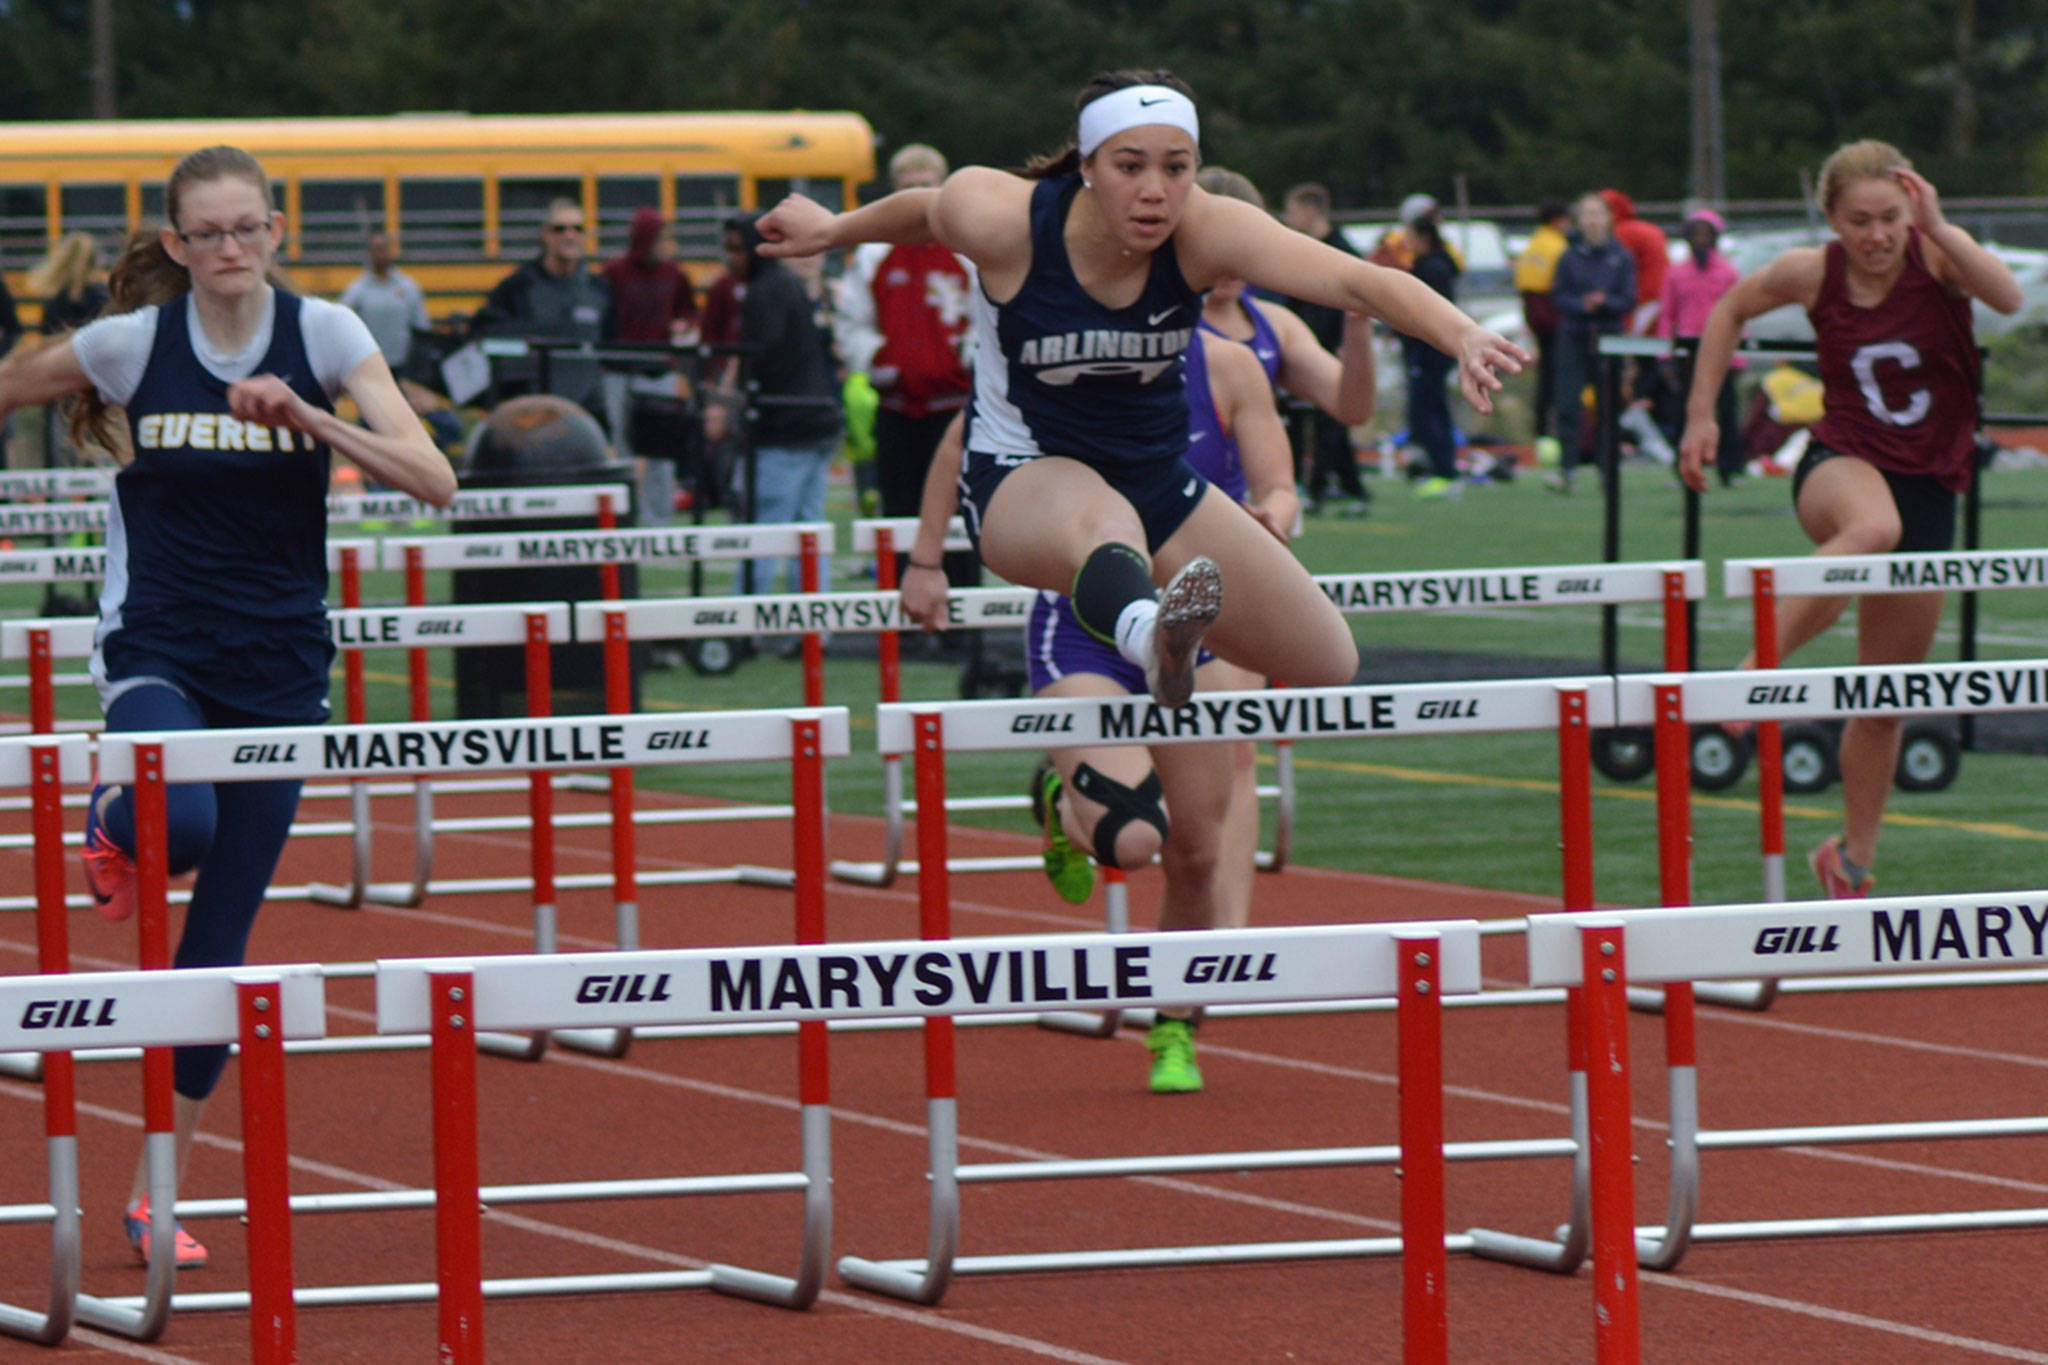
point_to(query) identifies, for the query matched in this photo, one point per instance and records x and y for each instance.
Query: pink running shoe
(109, 873)
(1826, 862)
(191, 1255)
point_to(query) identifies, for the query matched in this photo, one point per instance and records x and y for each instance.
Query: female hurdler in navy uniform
(213, 612)
(1890, 304)
(1092, 268)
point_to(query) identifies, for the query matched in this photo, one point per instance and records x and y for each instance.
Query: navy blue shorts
(1927, 510)
(1164, 493)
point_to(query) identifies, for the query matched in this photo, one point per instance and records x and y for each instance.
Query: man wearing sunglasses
(555, 297)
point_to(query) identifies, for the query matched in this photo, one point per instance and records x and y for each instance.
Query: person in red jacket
(901, 319)
(1651, 249)
(1890, 302)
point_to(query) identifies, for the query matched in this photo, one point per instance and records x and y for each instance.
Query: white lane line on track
(118, 1346)
(855, 1303)
(1843, 1316)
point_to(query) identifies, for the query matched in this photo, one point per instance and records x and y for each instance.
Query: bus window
(336, 218)
(441, 219)
(101, 210)
(523, 207)
(702, 203)
(617, 198)
(24, 222)
(831, 193)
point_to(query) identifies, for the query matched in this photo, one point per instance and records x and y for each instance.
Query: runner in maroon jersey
(1890, 304)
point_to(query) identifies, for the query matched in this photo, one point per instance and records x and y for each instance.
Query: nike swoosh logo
(1144, 103)
(1197, 436)
(1189, 491)
(1154, 319)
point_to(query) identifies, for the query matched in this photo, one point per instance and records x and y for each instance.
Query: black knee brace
(1120, 805)
(1110, 579)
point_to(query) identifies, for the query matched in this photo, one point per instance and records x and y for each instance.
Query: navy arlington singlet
(217, 534)
(1057, 373)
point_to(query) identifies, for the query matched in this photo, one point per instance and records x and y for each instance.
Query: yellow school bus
(462, 196)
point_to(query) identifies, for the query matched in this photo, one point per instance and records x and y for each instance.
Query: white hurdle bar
(1571, 707)
(537, 747)
(1764, 581)
(1601, 952)
(256, 1007)
(1414, 963)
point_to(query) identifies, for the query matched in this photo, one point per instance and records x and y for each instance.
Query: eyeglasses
(565, 227)
(246, 235)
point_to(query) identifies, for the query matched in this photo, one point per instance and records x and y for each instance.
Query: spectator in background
(1398, 245)
(1535, 273)
(1691, 290)
(390, 303)
(652, 299)
(787, 357)
(1429, 406)
(902, 312)
(653, 303)
(70, 283)
(1306, 209)
(1595, 291)
(555, 296)
(1650, 249)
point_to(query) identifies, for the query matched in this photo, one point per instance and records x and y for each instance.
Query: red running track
(361, 1122)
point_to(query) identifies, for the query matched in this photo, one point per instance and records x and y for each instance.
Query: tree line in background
(1377, 98)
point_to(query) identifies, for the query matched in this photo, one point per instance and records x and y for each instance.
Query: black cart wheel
(1719, 759)
(1624, 755)
(1929, 757)
(712, 657)
(1810, 764)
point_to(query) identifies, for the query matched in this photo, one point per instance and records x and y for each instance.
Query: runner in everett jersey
(1890, 304)
(213, 612)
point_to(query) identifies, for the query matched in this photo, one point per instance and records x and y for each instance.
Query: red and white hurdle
(1602, 952)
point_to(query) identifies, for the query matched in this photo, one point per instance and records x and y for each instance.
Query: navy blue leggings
(232, 833)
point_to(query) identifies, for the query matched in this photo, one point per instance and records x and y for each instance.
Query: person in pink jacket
(1691, 289)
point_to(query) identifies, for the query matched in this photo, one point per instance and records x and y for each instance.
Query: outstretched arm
(43, 375)
(1345, 385)
(1221, 236)
(801, 226)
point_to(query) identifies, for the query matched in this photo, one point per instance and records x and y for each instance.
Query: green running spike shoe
(1071, 871)
(1173, 1057)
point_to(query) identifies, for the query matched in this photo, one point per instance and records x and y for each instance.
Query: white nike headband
(1132, 107)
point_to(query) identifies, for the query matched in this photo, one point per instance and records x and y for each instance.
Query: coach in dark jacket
(1595, 291)
(789, 359)
(556, 297)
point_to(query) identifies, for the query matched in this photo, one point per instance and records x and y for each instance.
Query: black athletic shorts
(1927, 510)
(1164, 493)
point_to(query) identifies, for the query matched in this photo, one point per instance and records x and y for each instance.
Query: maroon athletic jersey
(1900, 378)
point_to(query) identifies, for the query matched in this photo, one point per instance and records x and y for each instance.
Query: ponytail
(144, 276)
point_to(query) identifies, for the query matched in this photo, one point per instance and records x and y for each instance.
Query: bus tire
(1625, 754)
(1929, 756)
(713, 656)
(1810, 764)
(1719, 759)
